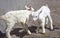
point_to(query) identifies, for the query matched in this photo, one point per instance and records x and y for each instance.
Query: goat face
(35, 16)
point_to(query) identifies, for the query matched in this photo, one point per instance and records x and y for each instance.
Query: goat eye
(36, 16)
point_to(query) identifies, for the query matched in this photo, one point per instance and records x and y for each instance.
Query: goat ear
(26, 7)
(32, 9)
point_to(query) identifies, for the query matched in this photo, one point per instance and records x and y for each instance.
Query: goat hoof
(43, 33)
(51, 29)
(29, 33)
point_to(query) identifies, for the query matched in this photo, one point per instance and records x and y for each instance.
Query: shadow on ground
(21, 34)
(17, 33)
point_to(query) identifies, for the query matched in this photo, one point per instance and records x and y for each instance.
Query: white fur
(31, 8)
(43, 14)
(13, 17)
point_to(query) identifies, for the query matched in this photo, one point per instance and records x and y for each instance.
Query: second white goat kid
(43, 14)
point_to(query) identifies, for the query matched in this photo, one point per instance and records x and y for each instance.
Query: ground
(19, 33)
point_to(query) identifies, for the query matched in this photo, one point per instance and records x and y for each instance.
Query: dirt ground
(18, 32)
(23, 34)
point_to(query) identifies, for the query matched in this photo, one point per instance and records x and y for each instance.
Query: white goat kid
(43, 14)
(13, 17)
